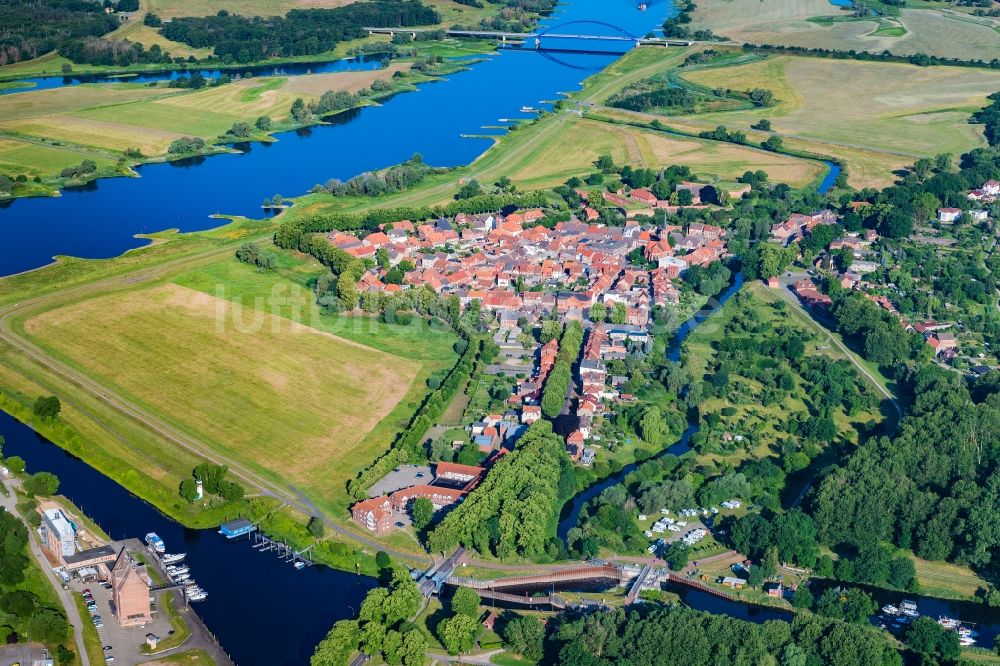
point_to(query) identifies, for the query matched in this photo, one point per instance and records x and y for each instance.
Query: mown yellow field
(276, 395)
(883, 106)
(315, 85)
(930, 31)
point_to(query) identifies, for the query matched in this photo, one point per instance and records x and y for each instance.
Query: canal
(262, 610)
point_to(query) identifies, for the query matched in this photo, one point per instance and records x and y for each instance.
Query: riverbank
(146, 121)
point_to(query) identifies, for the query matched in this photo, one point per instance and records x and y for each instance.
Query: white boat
(178, 568)
(966, 641)
(907, 607)
(198, 597)
(947, 622)
(299, 564)
(155, 543)
(170, 558)
(889, 609)
(527, 109)
(965, 632)
(180, 578)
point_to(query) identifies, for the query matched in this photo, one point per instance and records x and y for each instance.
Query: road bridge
(520, 38)
(584, 573)
(436, 576)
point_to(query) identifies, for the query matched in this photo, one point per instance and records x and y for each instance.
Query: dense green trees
(23, 612)
(47, 407)
(300, 32)
(214, 482)
(382, 628)
(41, 483)
(852, 605)
(677, 636)
(556, 386)
(34, 27)
(507, 514)
(927, 637)
(422, 511)
(793, 533)
(524, 636)
(931, 488)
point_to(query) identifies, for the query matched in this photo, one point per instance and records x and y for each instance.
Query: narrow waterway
(571, 510)
(289, 69)
(982, 619)
(263, 610)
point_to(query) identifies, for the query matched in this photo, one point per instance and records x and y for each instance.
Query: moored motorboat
(155, 543)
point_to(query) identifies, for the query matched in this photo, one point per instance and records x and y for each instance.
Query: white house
(949, 214)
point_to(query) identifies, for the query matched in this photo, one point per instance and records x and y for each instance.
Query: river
(101, 219)
(261, 610)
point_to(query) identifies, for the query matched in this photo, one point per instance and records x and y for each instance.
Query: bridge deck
(591, 572)
(633, 592)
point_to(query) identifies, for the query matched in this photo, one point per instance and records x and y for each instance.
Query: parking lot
(22, 653)
(403, 476)
(125, 642)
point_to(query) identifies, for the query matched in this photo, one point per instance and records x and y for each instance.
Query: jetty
(264, 544)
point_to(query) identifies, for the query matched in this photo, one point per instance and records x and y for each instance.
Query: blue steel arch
(618, 29)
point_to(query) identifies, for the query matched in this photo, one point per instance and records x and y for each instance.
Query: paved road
(785, 292)
(9, 502)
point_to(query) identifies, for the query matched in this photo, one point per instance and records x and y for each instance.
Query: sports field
(928, 30)
(289, 400)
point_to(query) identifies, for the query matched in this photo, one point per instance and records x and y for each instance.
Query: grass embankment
(189, 658)
(930, 29)
(177, 622)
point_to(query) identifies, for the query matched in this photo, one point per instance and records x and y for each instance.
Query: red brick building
(130, 591)
(373, 514)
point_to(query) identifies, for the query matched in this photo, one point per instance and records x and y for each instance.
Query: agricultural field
(33, 159)
(274, 394)
(107, 119)
(569, 146)
(886, 107)
(887, 114)
(932, 31)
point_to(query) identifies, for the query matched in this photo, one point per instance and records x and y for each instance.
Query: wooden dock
(265, 544)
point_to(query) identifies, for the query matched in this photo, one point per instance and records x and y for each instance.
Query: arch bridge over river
(571, 31)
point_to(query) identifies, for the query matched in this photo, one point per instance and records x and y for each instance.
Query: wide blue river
(101, 219)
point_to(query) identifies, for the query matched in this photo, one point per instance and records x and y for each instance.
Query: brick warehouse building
(130, 591)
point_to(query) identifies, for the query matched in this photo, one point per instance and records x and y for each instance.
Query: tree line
(35, 27)
(509, 513)
(300, 32)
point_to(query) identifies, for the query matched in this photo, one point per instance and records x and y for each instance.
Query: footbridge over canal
(513, 588)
